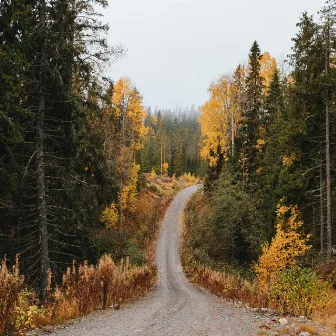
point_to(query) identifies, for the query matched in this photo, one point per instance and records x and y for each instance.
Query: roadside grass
(327, 316)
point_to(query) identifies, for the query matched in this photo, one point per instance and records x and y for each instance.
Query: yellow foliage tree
(110, 216)
(165, 167)
(220, 117)
(128, 104)
(287, 245)
(153, 174)
(128, 193)
(288, 160)
(124, 132)
(267, 66)
(190, 178)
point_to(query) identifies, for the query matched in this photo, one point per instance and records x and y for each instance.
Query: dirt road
(174, 307)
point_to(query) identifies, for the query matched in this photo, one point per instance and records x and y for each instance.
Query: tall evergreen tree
(253, 113)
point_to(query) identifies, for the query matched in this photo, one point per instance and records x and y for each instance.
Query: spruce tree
(253, 112)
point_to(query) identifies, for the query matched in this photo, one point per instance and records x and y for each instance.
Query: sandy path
(174, 307)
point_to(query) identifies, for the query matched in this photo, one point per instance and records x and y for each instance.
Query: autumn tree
(268, 66)
(287, 245)
(220, 119)
(124, 138)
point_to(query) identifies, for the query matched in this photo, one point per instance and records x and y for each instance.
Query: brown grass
(84, 288)
(327, 316)
(10, 285)
(308, 328)
(229, 286)
(87, 288)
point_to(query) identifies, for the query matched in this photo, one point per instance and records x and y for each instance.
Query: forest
(87, 170)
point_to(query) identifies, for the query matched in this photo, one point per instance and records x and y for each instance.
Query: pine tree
(13, 114)
(306, 112)
(328, 18)
(253, 112)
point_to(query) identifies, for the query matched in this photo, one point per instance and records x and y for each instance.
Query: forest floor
(175, 307)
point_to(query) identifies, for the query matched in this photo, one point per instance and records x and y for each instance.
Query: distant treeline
(174, 139)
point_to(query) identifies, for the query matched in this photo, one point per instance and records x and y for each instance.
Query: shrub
(292, 290)
(155, 188)
(287, 245)
(299, 291)
(135, 254)
(27, 313)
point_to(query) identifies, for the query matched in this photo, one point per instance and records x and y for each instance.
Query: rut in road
(175, 307)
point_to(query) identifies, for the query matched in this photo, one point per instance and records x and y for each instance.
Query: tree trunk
(328, 169)
(161, 156)
(164, 152)
(321, 209)
(120, 217)
(41, 188)
(232, 134)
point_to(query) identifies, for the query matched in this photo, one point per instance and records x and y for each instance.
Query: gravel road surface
(175, 307)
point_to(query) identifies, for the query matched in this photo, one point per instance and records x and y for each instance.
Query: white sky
(176, 48)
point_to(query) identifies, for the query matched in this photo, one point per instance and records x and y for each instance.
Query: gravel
(174, 307)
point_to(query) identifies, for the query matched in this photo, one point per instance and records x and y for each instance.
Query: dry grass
(327, 316)
(10, 285)
(84, 288)
(229, 286)
(87, 288)
(308, 328)
(233, 287)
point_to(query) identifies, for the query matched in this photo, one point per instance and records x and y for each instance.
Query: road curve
(175, 307)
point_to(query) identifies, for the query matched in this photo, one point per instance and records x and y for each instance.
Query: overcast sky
(175, 48)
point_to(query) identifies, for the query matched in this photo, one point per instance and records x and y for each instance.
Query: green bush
(299, 291)
(135, 254)
(236, 223)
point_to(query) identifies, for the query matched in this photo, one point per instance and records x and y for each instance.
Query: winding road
(175, 307)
